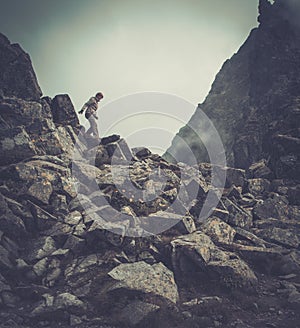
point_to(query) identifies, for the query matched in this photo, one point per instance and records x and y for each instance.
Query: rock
(284, 237)
(288, 166)
(82, 273)
(12, 225)
(235, 177)
(161, 221)
(275, 206)
(218, 230)
(221, 213)
(271, 261)
(68, 183)
(111, 139)
(75, 320)
(42, 248)
(41, 191)
(40, 267)
(125, 150)
(99, 157)
(238, 216)
(294, 195)
(112, 149)
(38, 179)
(136, 312)
(198, 248)
(51, 307)
(141, 152)
(258, 187)
(73, 218)
(75, 244)
(57, 143)
(86, 173)
(144, 278)
(63, 111)
(11, 246)
(17, 75)
(259, 170)
(9, 299)
(234, 193)
(288, 188)
(59, 205)
(294, 299)
(16, 145)
(82, 265)
(204, 305)
(252, 238)
(107, 231)
(34, 116)
(195, 187)
(69, 302)
(186, 225)
(6, 260)
(248, 201)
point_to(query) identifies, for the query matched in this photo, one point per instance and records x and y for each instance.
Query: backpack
(88, 113)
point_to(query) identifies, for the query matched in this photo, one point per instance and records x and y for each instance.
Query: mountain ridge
(255, 90)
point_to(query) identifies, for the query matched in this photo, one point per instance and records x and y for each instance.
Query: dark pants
(93, 127)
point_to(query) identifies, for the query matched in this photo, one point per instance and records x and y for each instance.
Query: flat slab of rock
(156, 279)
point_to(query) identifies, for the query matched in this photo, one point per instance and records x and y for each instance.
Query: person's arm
(86, 105)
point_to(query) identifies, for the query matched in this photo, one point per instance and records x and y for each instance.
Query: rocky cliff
(255, 98)
(98, 235)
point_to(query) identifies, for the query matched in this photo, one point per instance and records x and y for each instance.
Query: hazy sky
(121, 47)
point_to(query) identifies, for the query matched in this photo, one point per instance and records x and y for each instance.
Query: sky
(126, 47)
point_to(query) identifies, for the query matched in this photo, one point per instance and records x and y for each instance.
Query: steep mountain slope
(254, 101)
(94, 234)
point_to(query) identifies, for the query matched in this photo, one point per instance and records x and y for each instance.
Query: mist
(127, 47)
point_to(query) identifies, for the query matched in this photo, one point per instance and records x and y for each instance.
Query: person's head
(99, 96)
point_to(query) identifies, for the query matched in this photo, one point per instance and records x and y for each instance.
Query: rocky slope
(255, 98)
(62, 197)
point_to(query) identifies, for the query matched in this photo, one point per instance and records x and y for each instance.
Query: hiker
(90, 108)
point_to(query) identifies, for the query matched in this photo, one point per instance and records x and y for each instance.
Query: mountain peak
(17, 77)
(255, 97)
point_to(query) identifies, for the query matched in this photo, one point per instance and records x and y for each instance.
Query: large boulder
(15, 145)
(63, 111)
(144, 278)
(218, 230)
(197, 253)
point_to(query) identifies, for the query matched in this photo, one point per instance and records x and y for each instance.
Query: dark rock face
(17, 77)
(63, 111)
(254, 100)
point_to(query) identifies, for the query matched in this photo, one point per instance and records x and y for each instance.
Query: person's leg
(89, 131)
(93, 128)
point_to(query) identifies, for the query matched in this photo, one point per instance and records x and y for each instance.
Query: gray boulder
(204, 256)
(144, 278)
(63, 111)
